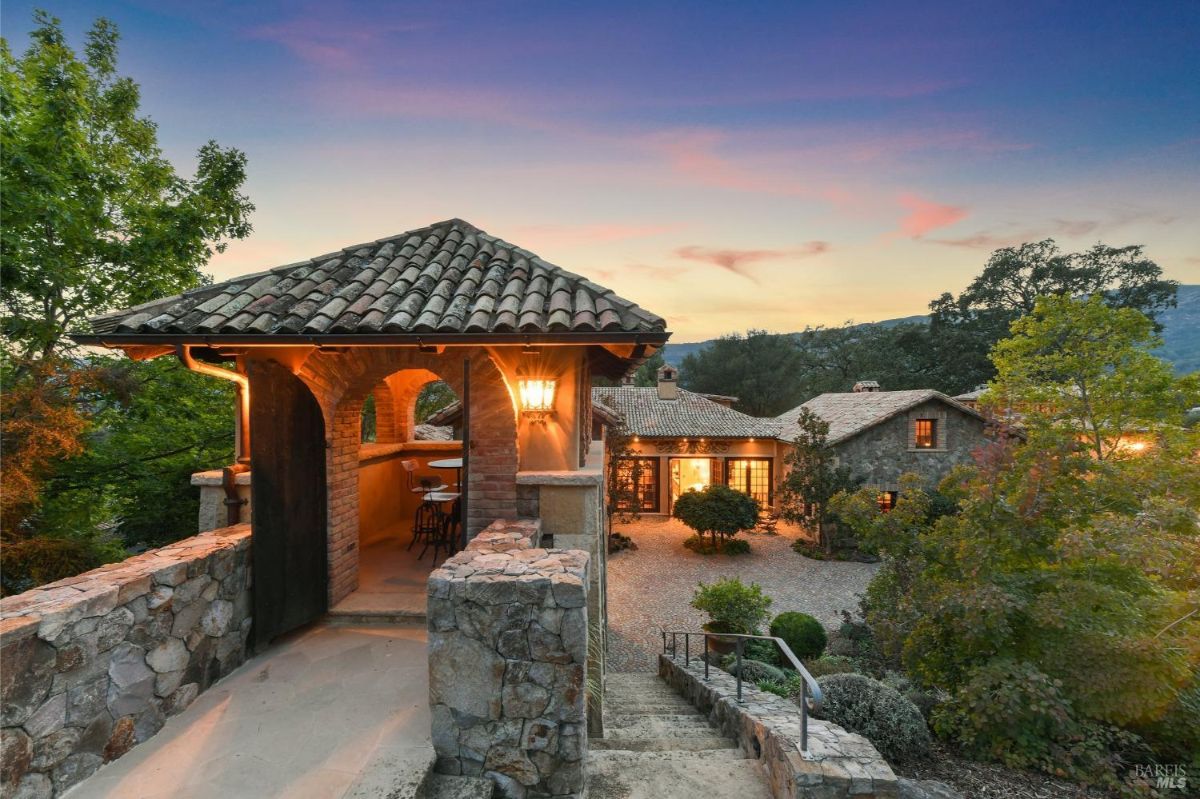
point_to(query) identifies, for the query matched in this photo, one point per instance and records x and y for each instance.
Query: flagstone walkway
(326, 712)
(651, 588)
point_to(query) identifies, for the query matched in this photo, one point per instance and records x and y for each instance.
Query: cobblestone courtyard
(650, 589)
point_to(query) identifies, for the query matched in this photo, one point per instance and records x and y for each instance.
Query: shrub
(831, 664)
(753, 670)
(765, 651)
(925, 700)
(619, 541)
(728, 546)
(717, 510)
(1011, 711)
(732, 606)
(871, 709)
(804, 634)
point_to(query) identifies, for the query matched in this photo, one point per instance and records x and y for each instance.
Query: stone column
(508, 649)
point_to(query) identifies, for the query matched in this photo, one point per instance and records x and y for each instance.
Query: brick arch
(341, 382)
(397, 394)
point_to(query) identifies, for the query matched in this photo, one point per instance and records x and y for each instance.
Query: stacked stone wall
(92, 665)
(508, 649)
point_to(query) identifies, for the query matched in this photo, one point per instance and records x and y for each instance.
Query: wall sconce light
(537, 397)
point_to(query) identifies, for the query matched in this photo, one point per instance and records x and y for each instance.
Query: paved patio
(327, 712)
(650, 589)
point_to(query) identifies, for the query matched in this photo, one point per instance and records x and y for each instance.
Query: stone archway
(341, 381)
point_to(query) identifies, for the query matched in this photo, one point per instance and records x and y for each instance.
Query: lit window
(925, 434)
(886, 500)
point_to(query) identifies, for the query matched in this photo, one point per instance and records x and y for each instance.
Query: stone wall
(883, 453)
(837, 764)
(508, 648)
(94, 664)
(571, 507)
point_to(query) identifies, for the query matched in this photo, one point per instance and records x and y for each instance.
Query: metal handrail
(806, 702)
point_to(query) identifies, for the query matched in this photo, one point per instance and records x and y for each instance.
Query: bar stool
(427, 521)
(441, 533)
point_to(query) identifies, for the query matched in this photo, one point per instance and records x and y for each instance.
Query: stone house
(882, 435)
(683, 440)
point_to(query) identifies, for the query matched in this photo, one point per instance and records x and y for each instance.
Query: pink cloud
(330, 41)
(693, 154)
(738, 261)
(925, 216)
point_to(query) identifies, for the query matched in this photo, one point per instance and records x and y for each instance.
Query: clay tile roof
(689, 416)
(450, 277)
(849, 414)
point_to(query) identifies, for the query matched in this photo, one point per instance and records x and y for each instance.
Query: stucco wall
(92, 665)
(883, 453)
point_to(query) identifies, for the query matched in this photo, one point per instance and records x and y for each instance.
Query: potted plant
(732, 607)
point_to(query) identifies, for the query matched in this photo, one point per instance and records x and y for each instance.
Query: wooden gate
(287, 462)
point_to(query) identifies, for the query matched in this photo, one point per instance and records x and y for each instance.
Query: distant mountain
(1181, 333)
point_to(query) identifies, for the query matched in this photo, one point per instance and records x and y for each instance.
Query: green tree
(813, 477)
(759, 368)
(1082, 366)
(965, 327)
(146, 437)
(1064, 580)
(95, 217)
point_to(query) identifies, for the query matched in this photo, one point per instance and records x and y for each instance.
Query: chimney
(866, 387)
(627, 379)
(667, 387)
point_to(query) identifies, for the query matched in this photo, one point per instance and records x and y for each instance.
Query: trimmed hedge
(804, 634)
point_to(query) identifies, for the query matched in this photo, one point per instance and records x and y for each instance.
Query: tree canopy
(95, 217)
(1084, 366)
(97, 450)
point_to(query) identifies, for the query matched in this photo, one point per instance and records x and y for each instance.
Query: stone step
(672, 701)
(641, 694)
(445, 786)
(623, 724)
(630, 757)
(674, 775)
(632, 678)
(672, 744)
(612, 719)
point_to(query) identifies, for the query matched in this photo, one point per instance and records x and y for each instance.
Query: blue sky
(726, 165)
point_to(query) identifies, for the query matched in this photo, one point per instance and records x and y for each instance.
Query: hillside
(1181, 334)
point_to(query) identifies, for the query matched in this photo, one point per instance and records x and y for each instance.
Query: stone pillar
(508, 649)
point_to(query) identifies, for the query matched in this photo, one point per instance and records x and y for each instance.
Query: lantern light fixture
(537, 397)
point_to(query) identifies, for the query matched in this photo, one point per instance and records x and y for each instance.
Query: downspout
(233, 503)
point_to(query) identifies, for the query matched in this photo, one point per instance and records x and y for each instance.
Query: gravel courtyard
(650, 589)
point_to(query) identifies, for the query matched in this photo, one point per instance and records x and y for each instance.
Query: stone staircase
(656, 745)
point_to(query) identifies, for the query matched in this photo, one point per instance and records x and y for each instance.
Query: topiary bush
(804, 634)
(868, 707)
(719, 511)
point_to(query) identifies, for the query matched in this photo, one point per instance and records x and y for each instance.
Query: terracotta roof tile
(448, 277)
(690, 416)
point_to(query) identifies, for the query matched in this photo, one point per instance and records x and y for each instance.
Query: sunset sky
(726, 165)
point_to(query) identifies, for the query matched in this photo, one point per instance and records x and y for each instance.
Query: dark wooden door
(287, 462)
